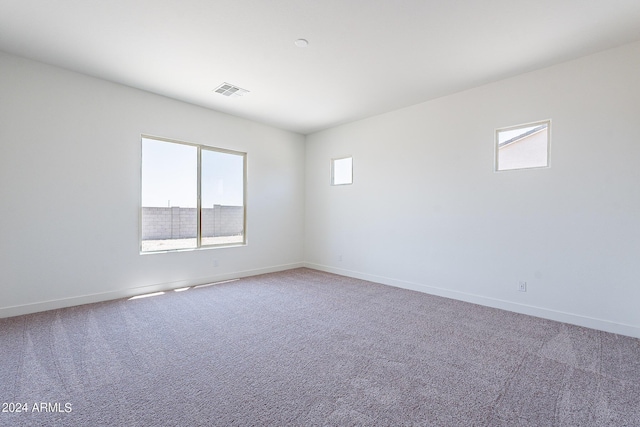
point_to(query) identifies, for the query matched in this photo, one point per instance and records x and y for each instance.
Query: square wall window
(193, 196)
(523, 146)
(342, 171)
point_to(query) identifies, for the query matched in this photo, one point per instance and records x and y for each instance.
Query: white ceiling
(365, 57)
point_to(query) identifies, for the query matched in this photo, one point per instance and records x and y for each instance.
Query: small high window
(342, 171)
(523, 146)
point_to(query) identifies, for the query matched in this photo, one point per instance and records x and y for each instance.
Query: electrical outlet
(522, 286)
(215, 262)
(339, 257)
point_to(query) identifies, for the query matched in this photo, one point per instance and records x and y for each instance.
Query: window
(342, 171)
(523, 146)
(193, 196)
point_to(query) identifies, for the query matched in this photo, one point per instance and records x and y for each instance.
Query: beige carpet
(309, 348)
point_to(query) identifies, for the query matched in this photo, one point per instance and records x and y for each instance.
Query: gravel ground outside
(173, 244)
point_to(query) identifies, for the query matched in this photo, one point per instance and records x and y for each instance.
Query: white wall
(70, 144)
(427, 212)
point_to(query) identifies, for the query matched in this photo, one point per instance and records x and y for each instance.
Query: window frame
(199, 147)
(546, 122)
(333, 164)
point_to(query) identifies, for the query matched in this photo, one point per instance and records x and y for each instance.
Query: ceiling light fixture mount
(301, 43)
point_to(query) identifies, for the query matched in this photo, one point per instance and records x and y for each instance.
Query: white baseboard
(560, 316)
(36, 307)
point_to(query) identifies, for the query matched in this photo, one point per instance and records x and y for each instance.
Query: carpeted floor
(308, 348)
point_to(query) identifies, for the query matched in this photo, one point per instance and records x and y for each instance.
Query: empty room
(269, 213)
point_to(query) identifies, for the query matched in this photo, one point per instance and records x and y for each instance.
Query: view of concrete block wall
(180, 223)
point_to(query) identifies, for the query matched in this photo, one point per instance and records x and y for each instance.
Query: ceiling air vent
(228, 89)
